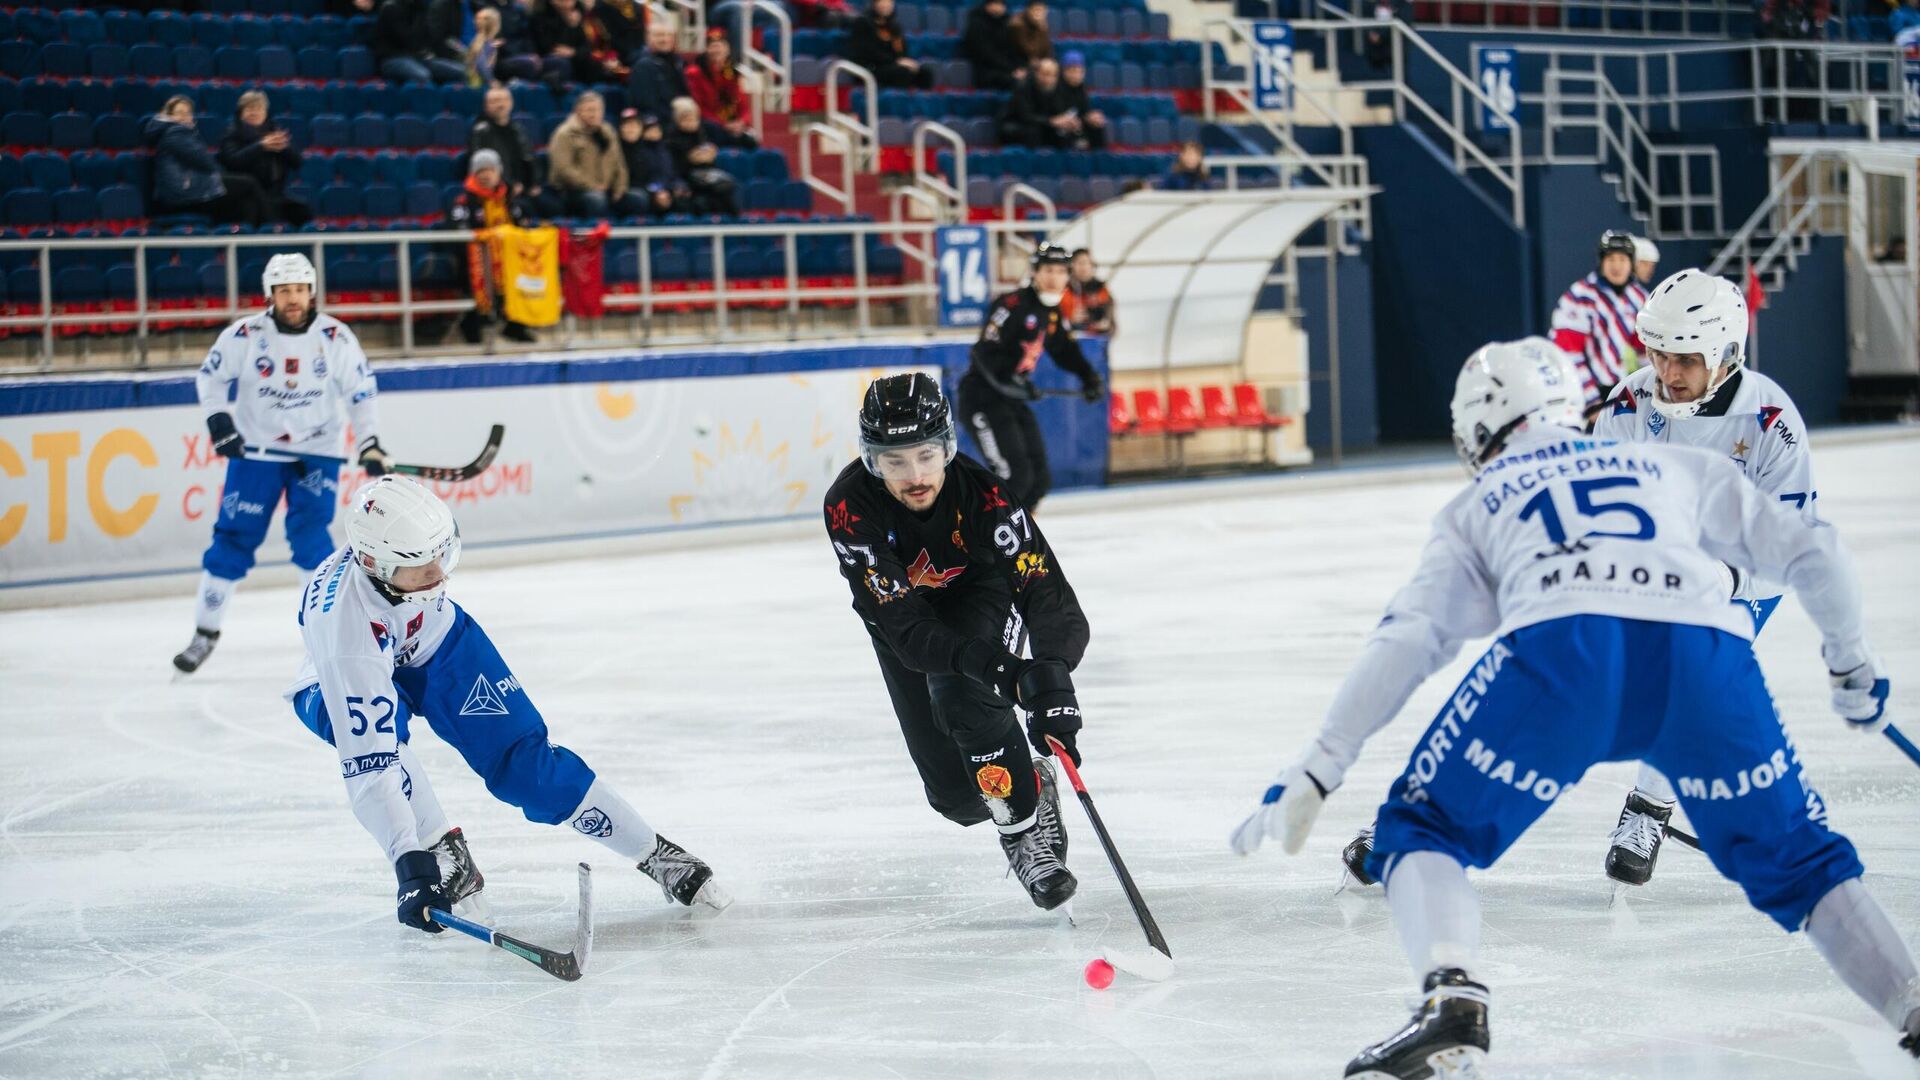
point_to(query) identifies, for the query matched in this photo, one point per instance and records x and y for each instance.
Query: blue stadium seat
(121, 202)
(12, 173)
(371, 130)
(1159, 131)
(314, 62)
(411, 131)
(439, 168)
(316, 169)
(354, 169)
(216, 102)
(63, 58)
(137, 97)
(150, 61)
(236, 62)
(37, 25)
(79, 285)
(275, 62)
(939, 20)
(23, 129)
(83, 27)
(449, 130)
(381, 201)
(135, 170)
(127, 28)
(26, 206)
(107, 60)
(193, 62)
(349, 273)
(69, 131)
(211, 31)
(394, 168)
(422, 199)
(251, 32)
(120, 281)
(327, 31)
(308, 101)
(1101, 189)
(92, 169)
(20, 58)
(291, 31)
(73, 205)
(172, 281)
(90, 96)
(330, 130)
(356, 62)
(338, 201)
(169, 28)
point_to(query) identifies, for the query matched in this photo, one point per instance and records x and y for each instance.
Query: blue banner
(1273, 66)
(1493, 71)
(961, 255)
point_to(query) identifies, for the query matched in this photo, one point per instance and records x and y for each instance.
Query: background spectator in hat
(497, 131)
(988, 46)
(1090, 132)
(876, 42)
(652, 185)
(714, 85)
(483, 204)
(257, 147)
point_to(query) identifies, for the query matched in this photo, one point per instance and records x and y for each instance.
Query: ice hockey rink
(183, 891)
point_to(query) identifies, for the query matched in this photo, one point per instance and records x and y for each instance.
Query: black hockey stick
(1156, 967)
(568, 965)
(451, 473)
(1685, 837)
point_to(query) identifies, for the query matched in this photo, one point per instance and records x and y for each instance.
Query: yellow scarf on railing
(529, 274)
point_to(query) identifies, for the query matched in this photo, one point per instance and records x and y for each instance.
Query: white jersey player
(1596, 565)
(386, 647)
(277, 389)
(1697, 393)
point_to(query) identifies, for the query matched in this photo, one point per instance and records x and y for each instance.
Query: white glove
(1860, 697)
(1287, 811)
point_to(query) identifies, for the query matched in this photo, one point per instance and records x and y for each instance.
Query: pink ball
(1099, 973)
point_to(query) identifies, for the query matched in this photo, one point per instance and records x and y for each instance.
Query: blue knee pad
(246, 508)
(472, 700)
(312, 493)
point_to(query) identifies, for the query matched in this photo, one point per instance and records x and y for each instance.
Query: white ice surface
(183, 891)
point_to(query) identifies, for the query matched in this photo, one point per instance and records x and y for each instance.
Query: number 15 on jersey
(963, 275)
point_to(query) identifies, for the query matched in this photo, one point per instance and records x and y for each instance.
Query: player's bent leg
(949, 785)
(312, 494)
(1852, 932)
(1036, 474)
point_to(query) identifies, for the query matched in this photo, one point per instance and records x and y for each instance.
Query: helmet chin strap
(1680, 410)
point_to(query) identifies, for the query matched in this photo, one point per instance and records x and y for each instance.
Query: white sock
(212, 605)
(1654, 785)
(606, 817)
(1851, 930)
(1436, 911)
(429, 820)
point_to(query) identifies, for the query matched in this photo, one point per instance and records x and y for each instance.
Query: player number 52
(383, 724)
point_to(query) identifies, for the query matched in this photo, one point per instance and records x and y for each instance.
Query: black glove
(226, 440)
(1094, 390)
(372, 458)
(1045, 689)
(419, 874)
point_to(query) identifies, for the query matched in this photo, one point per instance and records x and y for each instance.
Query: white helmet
(1695, 312)
(1645, 250)
(1509, 383)
(289, 268)
(395, 522)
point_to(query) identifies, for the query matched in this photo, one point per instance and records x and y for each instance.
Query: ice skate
(1355, 857)
(1445, 1040)
(1636, 839)
(460, 879)
(1037, 855)
(189, 659)
(682, 877)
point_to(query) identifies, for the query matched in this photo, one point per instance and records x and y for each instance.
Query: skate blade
(1150, 964)
(714, 896)
(1065, 911)
(1453, 1063)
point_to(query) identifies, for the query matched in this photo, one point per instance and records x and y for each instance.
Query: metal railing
(950, 197)
(1638, 18)
(776, 67)
(1660, 182)
(729, 305)
(864, 131)
(1808, 198)
(834, 138)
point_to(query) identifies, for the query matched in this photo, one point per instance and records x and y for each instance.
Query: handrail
(831, 136)
(1629, 144)
(865, 133)
(1780, 194)
(1018, 190)
(954, 193)
(1607, 10)
(780, 67)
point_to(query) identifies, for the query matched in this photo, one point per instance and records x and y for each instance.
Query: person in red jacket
(714, 83)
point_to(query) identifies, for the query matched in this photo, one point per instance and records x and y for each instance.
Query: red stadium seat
(1183, 416)
(1250, 411)
(1150, 417)
(1214, 410)
(1118, 422)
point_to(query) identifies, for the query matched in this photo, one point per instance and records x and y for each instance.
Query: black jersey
(915, 577)
(1019, 327)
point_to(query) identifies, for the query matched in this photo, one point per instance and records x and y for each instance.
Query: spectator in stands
(485, 202)
(1804, 20)
(659, 76)
(497, 132)
(1087, 304)
(255, 147)
(714, 85)
(1379, 41)
(483, 48)
(1189, 172)
(695, 151)
(1029, 34)
(584, 163)
(560, 31)
(625, 23)
(1039, 112)
(988, 46)
(652, 185)
(1092, 131)
(831, 14)
(876, 42)
(405, 48)
(186, 177)
(519, 57)
(1905, 17)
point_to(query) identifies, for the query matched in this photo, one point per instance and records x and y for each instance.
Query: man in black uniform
(950, 574)
(999, 382)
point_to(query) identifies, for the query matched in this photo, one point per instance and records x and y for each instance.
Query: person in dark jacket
(496, 131)
(1038, 113)
(186, 177)
(1088, 130)
(1029, 34)
(659, 75)
(625, 23)
(1189, 172)
(256, 147)
(695, 143)
(485, 203)
(404, 48)
(987, 46)
(652, 185)
(876, 42)
(560, 30)
(519, 58)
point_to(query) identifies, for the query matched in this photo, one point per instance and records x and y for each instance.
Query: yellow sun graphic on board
(618, 405)
(737, 476)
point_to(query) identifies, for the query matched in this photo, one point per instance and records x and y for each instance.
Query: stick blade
(1150, 964)
(583, 934)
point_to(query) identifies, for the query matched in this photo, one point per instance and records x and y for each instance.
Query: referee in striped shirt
(1595, 318)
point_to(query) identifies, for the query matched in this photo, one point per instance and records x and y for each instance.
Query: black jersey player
(999, 379)
(950, 574)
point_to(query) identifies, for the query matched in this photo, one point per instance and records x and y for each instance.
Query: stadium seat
(449, 130)
(380, 201)
(120, 202)
(23, 129)
(193, 62)
(19, 58)
(411, 131)
(1215, 412)
(107, 60)
(1250, 411)
(63, 58)
(330, 130)
(37, 25)
(169, 28)
(371, 130)
(422, 199)
(79, 285)
(1183, 416)
(236, 62)
(26, 206)
(1119, 422)
(338, 201)
(83, 27)
(315, 62)
(210, 31)
(275, 62)
(356, 63)
(1150, 415)
(69, 131)
(251, 32)
(73, 205)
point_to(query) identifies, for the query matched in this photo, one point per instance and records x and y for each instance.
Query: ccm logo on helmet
(908, 430)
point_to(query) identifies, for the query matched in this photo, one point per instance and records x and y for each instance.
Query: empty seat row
(83, 26)
(1180, 415)
(1115, 21)
(110, 60)
(143, 97)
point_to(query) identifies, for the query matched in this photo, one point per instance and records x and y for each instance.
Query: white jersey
(292, 387)
(1756, 425)
(355, 637)
(1560, 525)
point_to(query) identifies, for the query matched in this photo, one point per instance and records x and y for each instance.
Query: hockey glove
(419, 874)
(1860, 697)
(1094, 389)
(226, 441)
(1045, 690)
(1287, 811)
(372, 458)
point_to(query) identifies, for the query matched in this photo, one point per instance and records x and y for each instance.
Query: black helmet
(1051, 255)
(901, 411)
(1613, 241)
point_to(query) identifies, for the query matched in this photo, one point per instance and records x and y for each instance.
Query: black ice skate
(190, 658)
(1355, 856)
(1445, 1040)
(1636, 839)
(682, 876)
(459, 877)
(1037, 854)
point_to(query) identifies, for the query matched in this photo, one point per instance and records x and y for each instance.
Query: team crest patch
(1656, 421)
(328, 332)
(1768, 414)
(1030, 564)
(994, 780)
(593, 822)
(264, 365)
(1624, 404)
(923, 574)
(482, 700)
(379, 634)
(841, 519)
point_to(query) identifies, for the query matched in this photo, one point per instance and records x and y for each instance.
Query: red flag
(1756, 298)
(581, 268)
